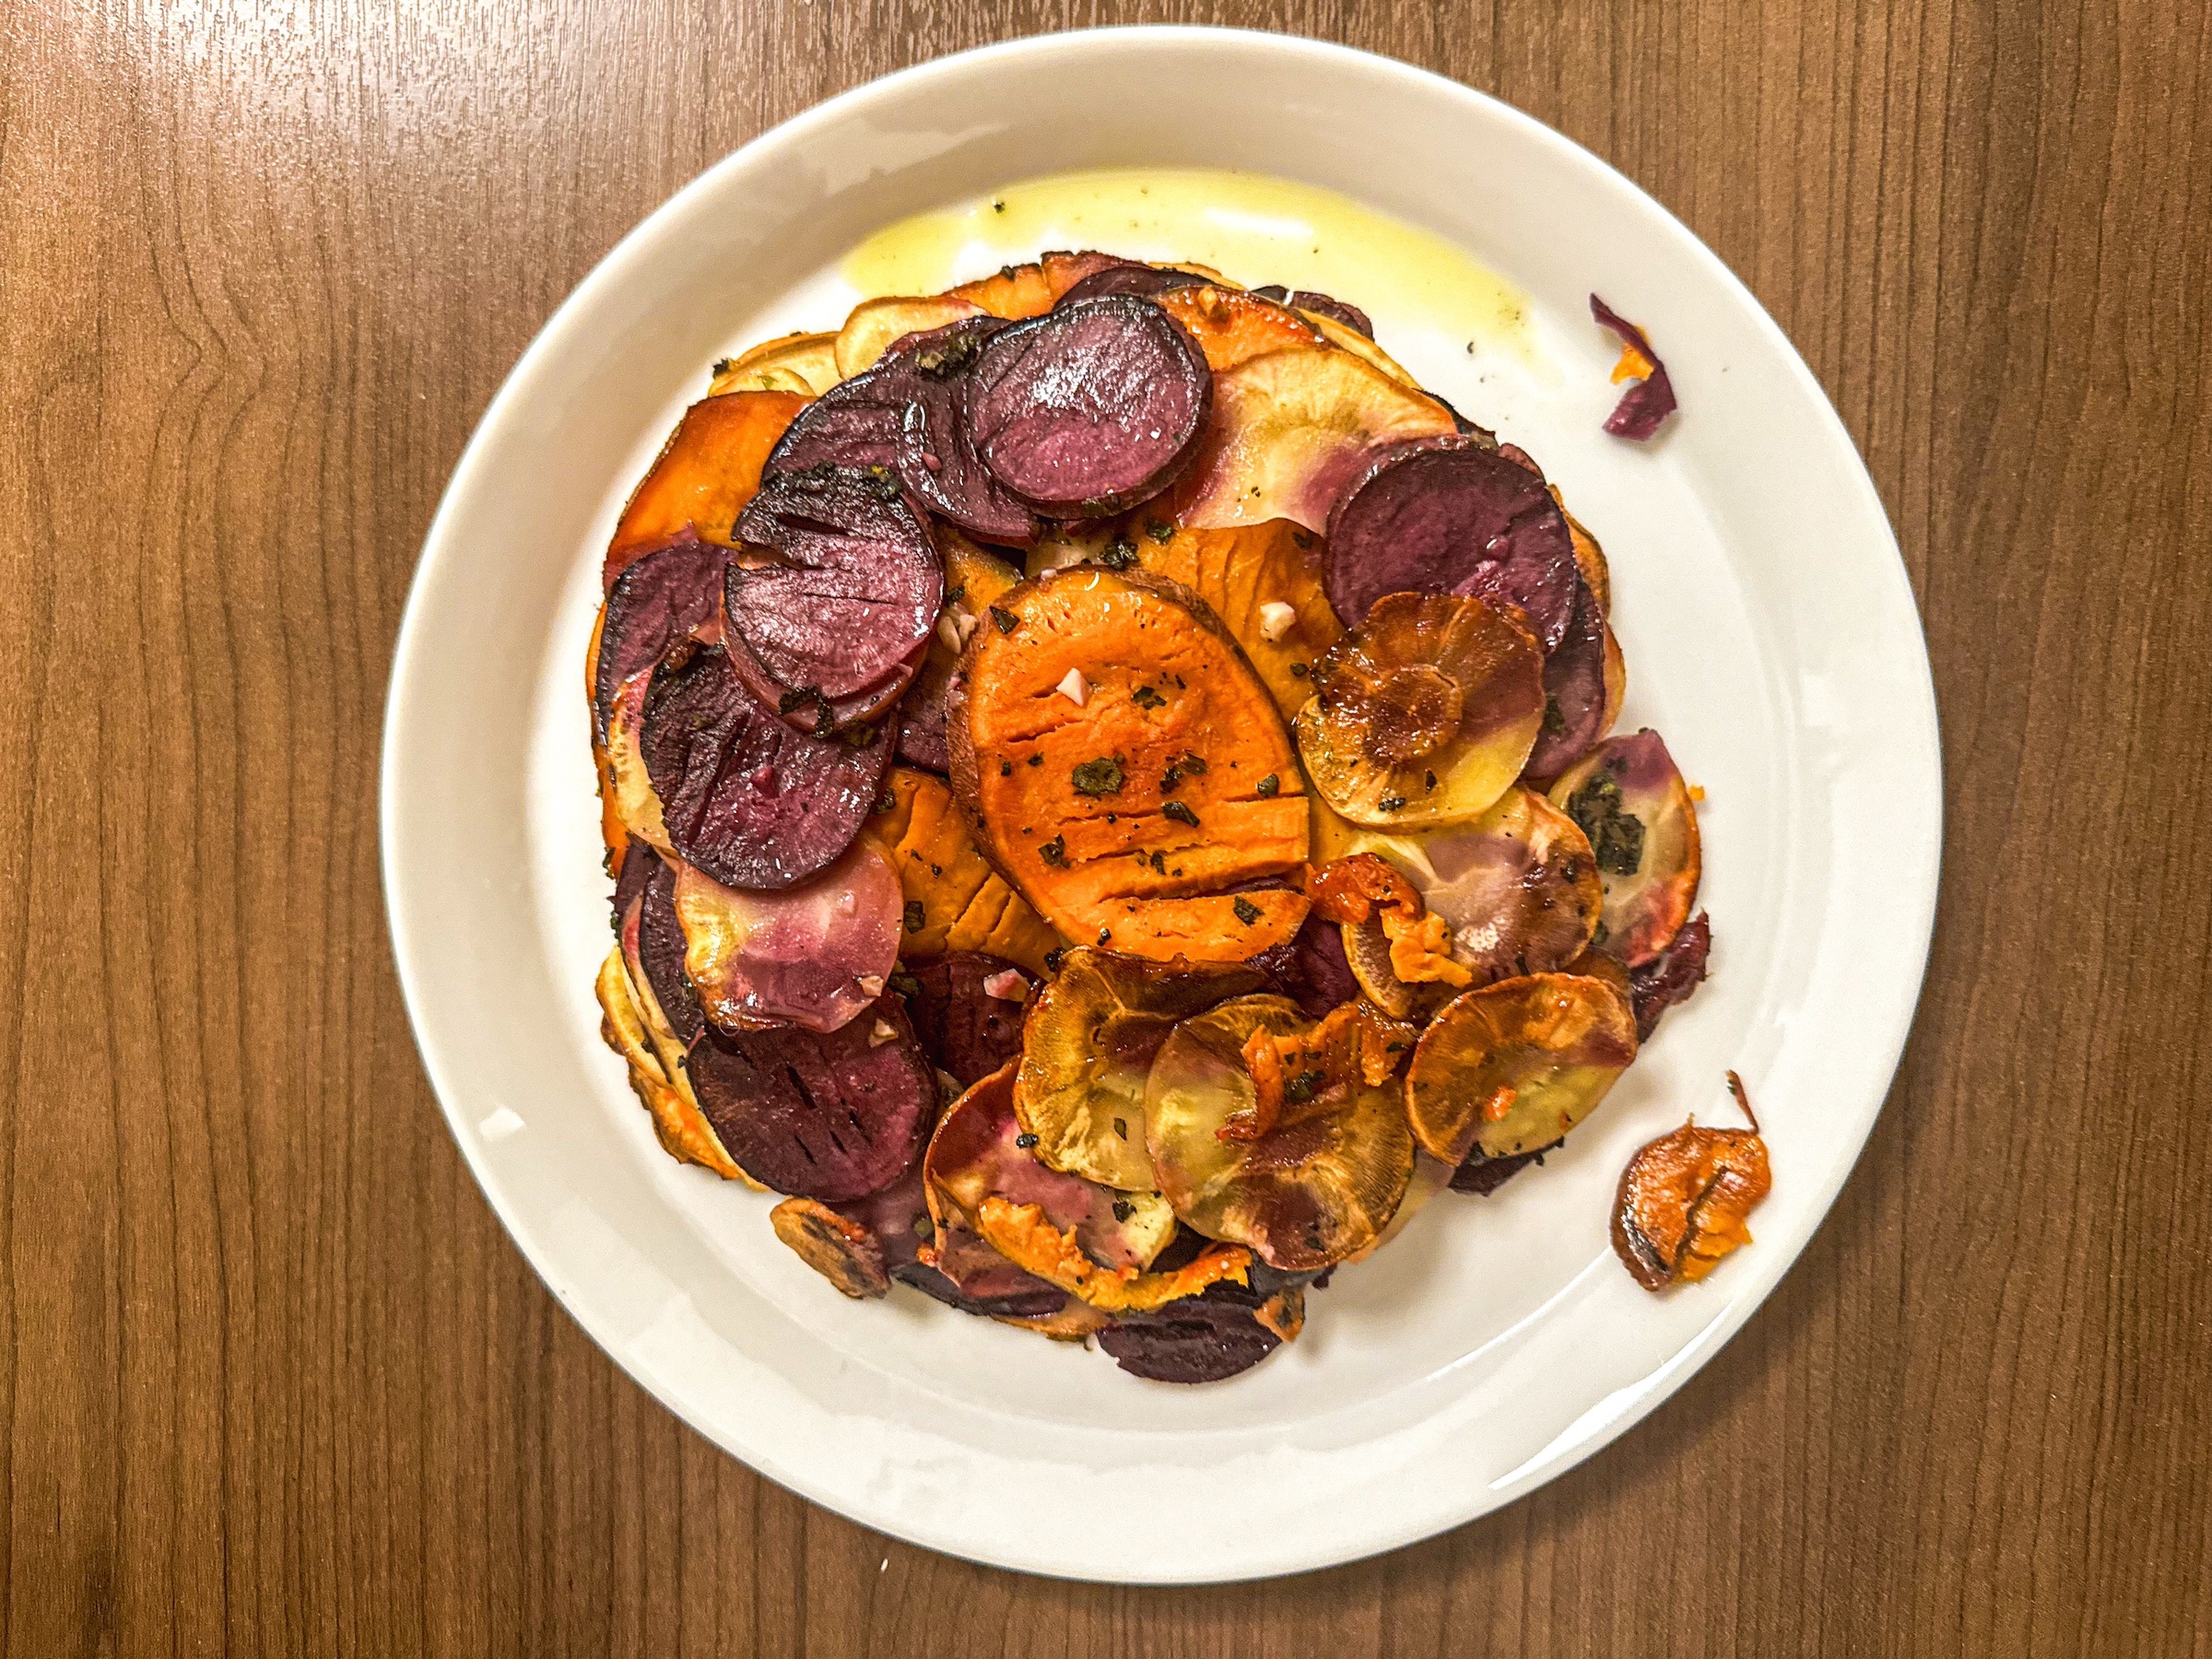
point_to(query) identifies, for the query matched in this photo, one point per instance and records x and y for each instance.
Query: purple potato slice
(1092, 407)
(671, 593)
(1204, 1338)
(1311, 970)
(1574, 689)
(1670, 977)
(1484, 1176)
(848, 607)
(833, 1116)
(1452, 515)
(1138, 281)
(751, 802)
(661, 952)
(966, 1026)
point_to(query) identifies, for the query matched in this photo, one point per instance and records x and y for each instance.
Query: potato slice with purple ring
(1630, 800)
(1305, 1196)
(1424, 715)
(805, 363)
(977, 1156)
(874, 326)
(1513, 1066)
(1088, 1047)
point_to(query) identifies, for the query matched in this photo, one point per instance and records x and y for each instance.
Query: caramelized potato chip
(1513, 1066)
(805, 363)
(1424, 715)
(844, 1252)
(1631, 804)
(1684, 1199)
(630, 1024)
(1310, 1193)
(1291, 429)
(1232, 326)
(1518, 888)
(1088, 1047)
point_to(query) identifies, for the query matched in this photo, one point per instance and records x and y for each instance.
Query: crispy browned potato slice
(805, 363)
(633, 1026)
(875, 325)
(1312, 1191)
(1513, 1066)
(1686, 1200)
(1424, 715)
(1088, 1047)
(1291, 429)
(1630, 802)
(1232, 326)
(841, 1251)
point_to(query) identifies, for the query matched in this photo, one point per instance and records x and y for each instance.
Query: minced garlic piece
(1074, 688)
(1276, 619)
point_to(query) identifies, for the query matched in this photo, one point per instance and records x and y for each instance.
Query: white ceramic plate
(1770, 634)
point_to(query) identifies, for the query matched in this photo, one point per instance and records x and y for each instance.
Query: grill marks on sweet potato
(1239, 571)
(955, 900)
(1170, 701)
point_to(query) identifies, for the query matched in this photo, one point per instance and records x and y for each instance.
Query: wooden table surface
(274, 1382)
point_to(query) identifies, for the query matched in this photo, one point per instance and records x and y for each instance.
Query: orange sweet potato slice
(1030, 290)
(1248, 573)
(1231, 325)
(954, 900)
(708, 470)
(1123, 765)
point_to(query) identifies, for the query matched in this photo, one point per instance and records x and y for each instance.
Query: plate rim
(610, 271)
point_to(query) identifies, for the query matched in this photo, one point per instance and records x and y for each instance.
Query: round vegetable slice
(660, 953)
(833, 1116)
(1452, 515)
(968, 1010)
(745, 798)
(1088, 1047)
(874, 326)
(1141, 281)
(840, 1249)
(847, 610)
(813, 954)
(704, 476)
(1124, 767)
(1630, 802)
(1205, 1338)
(1511, 1068)
(669, 594)
(973, 580)
(1307, 300)
(1425, 713)
(1518, 888)
(1311, 1190)
(1264, 582)
(1095, 405)
(1292, 429)
(1232, 326)
(1029, 290)
(1585, 682)
(805, 363)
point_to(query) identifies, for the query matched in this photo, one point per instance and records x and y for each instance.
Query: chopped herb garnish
(1268, 785)
(1180, 812)
(859, 734)
(1105, 934)
(1555, 722)
(722, 366)
(1121, 1127)
(956, 592)
(915, 915)
(1007, 621)
(1124, 1209)
(886, 802)
(1304, 538)
(1054, 958)
(1100, 777)
(1054, 852)
(1301, 1087)
(924, 1228)
(1193, 766)
(1391, 803)
(944, 361)
(1297, 670)
(905, 983)
(1144, 696)
(1616, 835)
(1247, 911)
(1428, 780)
(1036, 759)
(1159, 864)
(1024, 1141)
(1159, 530)
(1118, 554)
(1005, 769)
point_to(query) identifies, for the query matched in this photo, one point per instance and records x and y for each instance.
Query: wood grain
(273, 1382)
